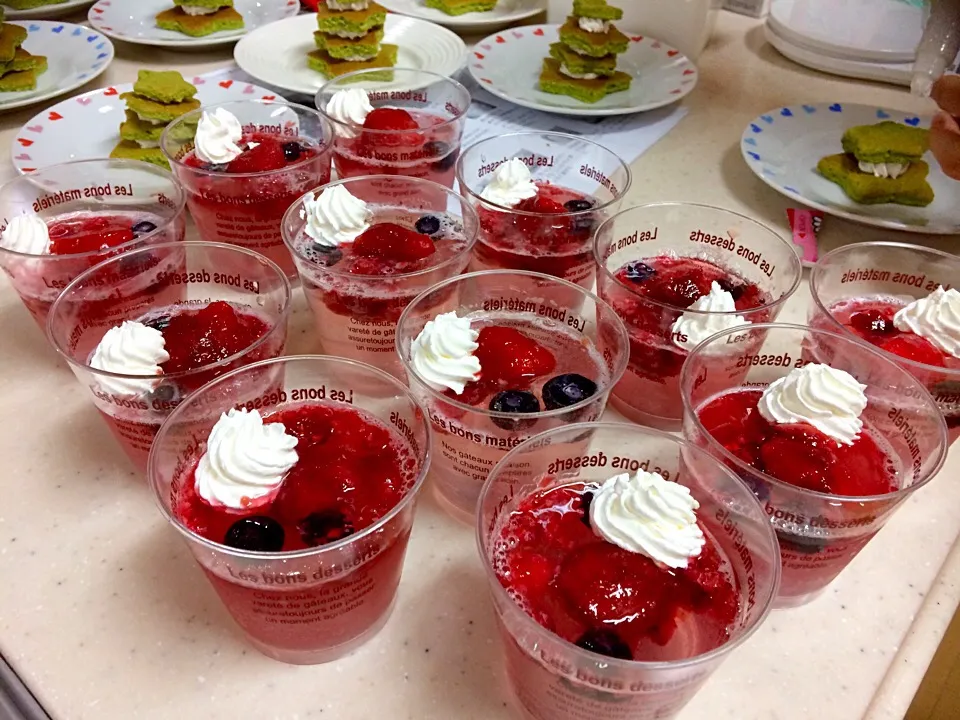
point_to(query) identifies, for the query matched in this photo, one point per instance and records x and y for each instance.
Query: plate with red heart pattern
(508, 64)
(87, 126)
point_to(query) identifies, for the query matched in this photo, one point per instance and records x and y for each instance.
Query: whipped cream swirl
(593, 25)
(335, 217)
(350, 107)
(884, 170)
(936, 318)
(217, 138)
(443, 353)
(130, 348)
(511, 183)
(831, 400)
(649, 515)
(26, 234)
(246, 460)
(691, 329)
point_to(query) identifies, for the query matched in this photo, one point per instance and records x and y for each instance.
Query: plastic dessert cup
(882, 277)
(819, 532)
(580, 184)
(554, 679)
(429, 144)
(87, 204)
(355, 310)
(245, 206)
(154, 285)
(654, 261)
(316, 604)
(586, 338)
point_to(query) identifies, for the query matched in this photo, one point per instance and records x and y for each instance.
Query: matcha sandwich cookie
(461, 7)
(11, 37)
(882, 164)
(583, 66)
(350, 23)
(587, 90)
(198, 18)
(322, 62)
(130, 150)
(18, 67)
(350, 38)
(365, 47)
(22, 60)
(592, 43)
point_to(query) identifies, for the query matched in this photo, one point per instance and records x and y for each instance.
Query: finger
(945, 121)
(946, 93)
(945, 146)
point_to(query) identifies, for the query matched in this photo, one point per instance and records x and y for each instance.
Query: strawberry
(916, 348)
(267, 155)
(507, 355)
(389, 241)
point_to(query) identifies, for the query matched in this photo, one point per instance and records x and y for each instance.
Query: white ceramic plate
(134, 21)
(46, 11)
(75, 56)
(51, 137)
(505, 13)
(783, 147)
(508, 64)
(277, 54)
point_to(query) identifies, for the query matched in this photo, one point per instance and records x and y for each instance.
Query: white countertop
(104, 613)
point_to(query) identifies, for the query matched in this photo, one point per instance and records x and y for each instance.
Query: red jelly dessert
(394, 141)
(606, 599)
(798, 454)
(352, 470)
(242, 202)
(83, 233)
(550, 233)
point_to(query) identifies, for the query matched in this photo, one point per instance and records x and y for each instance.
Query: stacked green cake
(350, 38)
(18, 68)
(197, 18)
(583, 64)
(31, 4)
(158, 98)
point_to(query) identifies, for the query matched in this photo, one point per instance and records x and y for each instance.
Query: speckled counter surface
(104, 614)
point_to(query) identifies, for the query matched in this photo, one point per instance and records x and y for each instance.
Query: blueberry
(803, 545)
(258, 533)
(579, 205)
(566, 390)
(215, 167)
(325, 254)
(292, 151)
(143, 227)
(428, 225)
(437, 149)
(605, 642)
(324, 526)
(158, 323)
(167, 393)
(514, 401)
(638, 271)
(585, 501)
(736, 291)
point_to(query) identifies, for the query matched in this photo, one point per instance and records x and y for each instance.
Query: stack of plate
(866, 39)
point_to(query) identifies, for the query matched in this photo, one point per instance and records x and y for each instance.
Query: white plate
(505, 13)
(783, 147)
(508, 64)
(277, 54)
(51, 137)
(46, 11)
(135, 21)
(75, 56)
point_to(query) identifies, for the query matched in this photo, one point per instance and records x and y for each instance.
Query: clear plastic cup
(554, 679)
(308, 606)
(857, 276)
(586, 337)
(439, 106)
(246, 208)
(569, 170)
(649, 393)
(86, 191)
(356, 315)
(148, 284)
(819, 533)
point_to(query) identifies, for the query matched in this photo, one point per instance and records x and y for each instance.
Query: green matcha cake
(323, 63)
(166, 86)
(461, 7)
(593, 44)
(587, 91)
(18, 81)
(11, 37)
(30, 4)
(175, 19)
(596, 9)
(153, 111)
(350, 22)
(129, 150)
(886, 142)
(911, 188)
(365, 47)
(581, 64)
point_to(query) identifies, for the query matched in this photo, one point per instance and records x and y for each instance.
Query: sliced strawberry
(507, 355)
(389, 241)
(916, 348)
(267, 155)
(801, 456)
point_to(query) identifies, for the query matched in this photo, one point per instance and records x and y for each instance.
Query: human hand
(944, 130)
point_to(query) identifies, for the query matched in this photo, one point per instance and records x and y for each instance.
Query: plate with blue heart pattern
(784, 145)
(75, 56)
